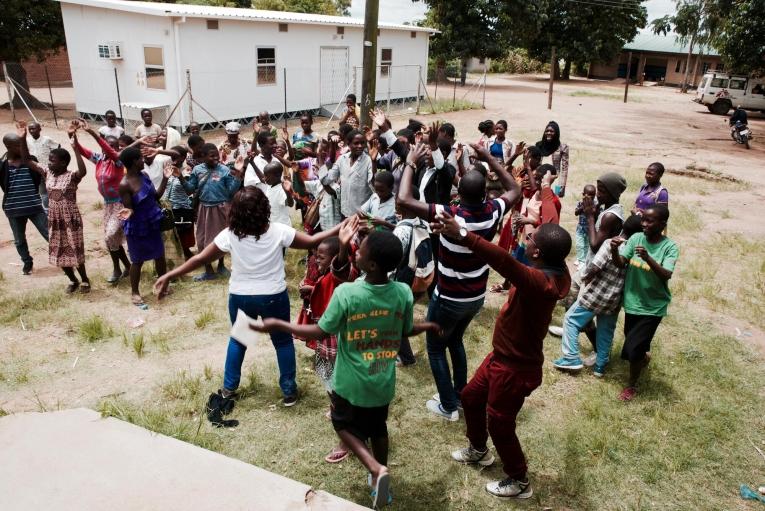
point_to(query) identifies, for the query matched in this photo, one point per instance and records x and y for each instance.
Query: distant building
(658, 58)
(57, 65)
(238, 61)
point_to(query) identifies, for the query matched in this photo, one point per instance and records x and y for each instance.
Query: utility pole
(629, 71)
(369, 71)
(552, 79)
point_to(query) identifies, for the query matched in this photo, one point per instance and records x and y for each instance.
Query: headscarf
(550, 146)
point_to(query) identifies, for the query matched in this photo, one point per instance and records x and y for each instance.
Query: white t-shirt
(257, 265)
(106, 131)
(156, 169)
(277, 198)
(250, 177)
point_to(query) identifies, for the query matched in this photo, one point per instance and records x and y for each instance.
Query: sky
(399, 11)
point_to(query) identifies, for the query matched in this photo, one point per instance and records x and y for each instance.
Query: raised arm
(405, 198)
(81, 170)
(21, 131)
(512, 188)
(548, 212)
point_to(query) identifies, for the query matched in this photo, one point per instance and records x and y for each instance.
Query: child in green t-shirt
(650, 259)
(369, 318)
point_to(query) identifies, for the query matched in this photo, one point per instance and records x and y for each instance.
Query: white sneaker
(510, 488)
(590, 359)
(473, 456)
(555, 330)
(435, 407)
(437, 397)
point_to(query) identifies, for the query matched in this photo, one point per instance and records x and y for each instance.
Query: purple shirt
(649, 196)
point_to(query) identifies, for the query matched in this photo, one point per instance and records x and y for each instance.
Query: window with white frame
(103, 51)
(386, 60)
(154, 64)
(266, 65)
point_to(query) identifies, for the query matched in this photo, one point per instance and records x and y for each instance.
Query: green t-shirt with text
(369, 322)
(645, 293)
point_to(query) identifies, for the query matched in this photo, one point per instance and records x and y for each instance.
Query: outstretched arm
(269, 325)
(405, 198)
(210, 253)
(304, 241)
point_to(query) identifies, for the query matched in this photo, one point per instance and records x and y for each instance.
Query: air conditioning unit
(111, 50)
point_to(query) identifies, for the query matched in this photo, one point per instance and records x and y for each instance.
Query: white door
(334, 74)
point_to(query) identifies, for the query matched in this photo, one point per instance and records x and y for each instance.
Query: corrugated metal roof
(211, 12)
(646, 40)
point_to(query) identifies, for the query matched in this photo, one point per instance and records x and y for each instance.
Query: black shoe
(215, 405)
(27, 269)
(289, 400)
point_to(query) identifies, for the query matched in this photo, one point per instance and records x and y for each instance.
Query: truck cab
(720, 92)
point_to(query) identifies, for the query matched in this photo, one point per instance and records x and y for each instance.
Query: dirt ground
(46, 366)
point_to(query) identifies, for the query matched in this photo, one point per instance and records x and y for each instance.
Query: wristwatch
(463, 232)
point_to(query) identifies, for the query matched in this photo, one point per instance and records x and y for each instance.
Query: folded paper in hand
(241, 330)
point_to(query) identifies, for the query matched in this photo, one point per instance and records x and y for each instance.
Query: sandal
(71, 288)
(336, 455)
(85, 287)
(138, 302)
(115, 277)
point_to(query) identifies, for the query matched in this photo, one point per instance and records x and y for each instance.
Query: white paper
(241, 330)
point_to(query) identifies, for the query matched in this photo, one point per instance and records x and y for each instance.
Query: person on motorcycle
(739, 115)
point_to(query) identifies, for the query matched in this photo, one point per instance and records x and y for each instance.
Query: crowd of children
(387, 217)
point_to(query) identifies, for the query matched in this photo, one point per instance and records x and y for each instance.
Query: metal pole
(191, 98)
(552, 77)
(419, 80)
(454, 93)
(432, 108)
(435, 92)
(8, 87)
(627, 81)
(119, 100)
(47, 78)
(483, 100)
(15, 88)
(369, 72)
(284, 69)
(390, 77)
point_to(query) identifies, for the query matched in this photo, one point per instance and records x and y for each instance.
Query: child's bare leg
(69, 272)
(135, 280)
(364, 455)
(221, 263)
(124, 258)
(380, 449)
(83, 273)
(209, 269)
(160, 265)
(635, 369)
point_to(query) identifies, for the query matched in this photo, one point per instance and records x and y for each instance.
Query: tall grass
(441, 106)
(94, 329)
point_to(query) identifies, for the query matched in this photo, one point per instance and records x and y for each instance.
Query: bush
(517, 61)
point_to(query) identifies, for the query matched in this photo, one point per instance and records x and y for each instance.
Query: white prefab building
(235, 62)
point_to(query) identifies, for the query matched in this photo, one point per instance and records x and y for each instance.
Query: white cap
(233, 127)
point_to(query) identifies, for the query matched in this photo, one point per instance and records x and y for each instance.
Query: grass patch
(135, 341)
(603, 95)
(13, 307)
(15, 371)
(441, 106)
(205, 318)
(97, 206)
(161, 340)
(94, 329)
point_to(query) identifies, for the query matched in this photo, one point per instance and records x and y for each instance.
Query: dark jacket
(439, 187)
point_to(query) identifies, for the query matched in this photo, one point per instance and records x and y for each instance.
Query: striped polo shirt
(22, 197)
(462, 276)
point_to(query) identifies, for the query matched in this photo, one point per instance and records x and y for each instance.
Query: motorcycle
(741, 133)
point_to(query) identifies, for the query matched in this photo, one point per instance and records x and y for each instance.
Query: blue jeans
(454, 318)
(575, 320)
(264, 306)
(582, 245)
(19, 229)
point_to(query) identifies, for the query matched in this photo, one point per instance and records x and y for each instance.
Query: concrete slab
(75, 460)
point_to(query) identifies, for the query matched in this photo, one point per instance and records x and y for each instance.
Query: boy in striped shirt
(462, 276)
(21, 198)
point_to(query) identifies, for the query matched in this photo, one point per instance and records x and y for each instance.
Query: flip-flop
(204, 277)
(71, 288)
(85, 287)
(336, 456)
(497, 288)
(381, 493)
(113, 279)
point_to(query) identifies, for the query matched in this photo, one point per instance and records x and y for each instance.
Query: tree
(695, 22)
(740, 39)
(28, 30)
(585, 32)
(477, 28)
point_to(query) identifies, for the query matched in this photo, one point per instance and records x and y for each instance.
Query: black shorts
(361, 422)
(638, 334)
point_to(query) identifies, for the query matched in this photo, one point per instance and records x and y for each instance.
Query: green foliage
(740, 40)
(447, 105)
(204, 319)
(584, 32)
(30, 29)
(517, 61)
(478, 28)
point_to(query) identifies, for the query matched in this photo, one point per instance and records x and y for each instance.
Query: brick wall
(58, 70)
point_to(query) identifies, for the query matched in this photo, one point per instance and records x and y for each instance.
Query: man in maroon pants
(514, 368)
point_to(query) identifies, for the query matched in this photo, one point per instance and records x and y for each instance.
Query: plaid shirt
(603, 295)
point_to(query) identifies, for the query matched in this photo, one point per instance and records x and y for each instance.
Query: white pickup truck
(720, 92)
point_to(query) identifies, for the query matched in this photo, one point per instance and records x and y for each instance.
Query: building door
(334, 75)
